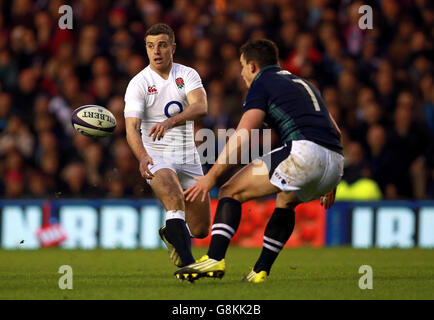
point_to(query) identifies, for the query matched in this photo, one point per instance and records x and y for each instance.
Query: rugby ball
(93, 121)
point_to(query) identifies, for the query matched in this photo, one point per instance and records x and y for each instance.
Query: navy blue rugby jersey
(293, 107)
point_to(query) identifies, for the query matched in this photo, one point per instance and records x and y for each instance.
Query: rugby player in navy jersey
(308, 166)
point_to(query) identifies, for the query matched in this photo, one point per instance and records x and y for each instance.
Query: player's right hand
(159, 129)
(143, 167)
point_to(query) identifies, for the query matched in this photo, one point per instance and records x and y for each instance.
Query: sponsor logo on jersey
(179, 83)
(282, 180)
(152, 90)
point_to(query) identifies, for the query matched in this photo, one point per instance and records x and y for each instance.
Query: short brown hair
(263, 51)
(161, 28)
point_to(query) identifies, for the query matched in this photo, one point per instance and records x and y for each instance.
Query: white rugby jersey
(154, 99)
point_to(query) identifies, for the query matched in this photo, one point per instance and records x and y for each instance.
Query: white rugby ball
(93, 121)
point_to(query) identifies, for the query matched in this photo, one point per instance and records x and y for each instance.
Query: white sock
(192, 236)
(178, 214)
(175, 214)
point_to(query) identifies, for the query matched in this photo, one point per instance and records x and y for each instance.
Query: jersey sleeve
(257, 98)
(192, 80)
(134, 101)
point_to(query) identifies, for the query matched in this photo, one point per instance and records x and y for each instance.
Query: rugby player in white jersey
(161, 103)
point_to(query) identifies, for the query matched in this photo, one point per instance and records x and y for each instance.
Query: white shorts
(186, 172)
(310, 170)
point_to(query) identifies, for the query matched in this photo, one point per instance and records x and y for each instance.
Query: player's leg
(197, 213)
(168, 190)
(198, 217)
(277, 232)
(250, 182)
(313, 180)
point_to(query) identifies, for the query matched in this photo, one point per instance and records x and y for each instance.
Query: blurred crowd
(377, 83)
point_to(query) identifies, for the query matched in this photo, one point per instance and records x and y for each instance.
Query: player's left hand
(159, 129)
(201, 187)
(328, 199)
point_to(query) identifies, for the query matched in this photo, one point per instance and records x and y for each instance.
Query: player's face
(160, 51)
(246, 71)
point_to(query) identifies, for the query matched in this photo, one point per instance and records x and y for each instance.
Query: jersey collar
(264, 69)
(170, 73)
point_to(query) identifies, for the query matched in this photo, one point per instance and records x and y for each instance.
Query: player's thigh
(167, 189)
(198, 217)
(250, 182)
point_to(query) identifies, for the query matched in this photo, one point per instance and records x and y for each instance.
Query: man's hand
(201, 187)
(159, 129)
(328, 199)
(143, 166)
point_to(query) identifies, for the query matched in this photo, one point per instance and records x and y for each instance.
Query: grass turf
(302, 273)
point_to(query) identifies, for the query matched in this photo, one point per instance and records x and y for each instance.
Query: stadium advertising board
(88, 224)
(130, 224)
(382, 224)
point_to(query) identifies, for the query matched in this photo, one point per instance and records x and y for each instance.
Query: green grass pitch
(302, 273)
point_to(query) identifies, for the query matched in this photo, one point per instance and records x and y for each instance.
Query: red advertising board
(310, 219)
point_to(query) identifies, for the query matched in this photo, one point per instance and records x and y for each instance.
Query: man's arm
(132, 126)
(335, 125)
(198, 107)
(251, 119)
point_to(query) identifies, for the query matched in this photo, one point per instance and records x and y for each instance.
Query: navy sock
(226, 222)
(177, 234)
(277, 232)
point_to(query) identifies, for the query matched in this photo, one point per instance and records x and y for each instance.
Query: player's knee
(287, 200)
(202, 234)
(287, 204)
(239, 197)
(200, 231)
(229, 190)
(226, 191)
